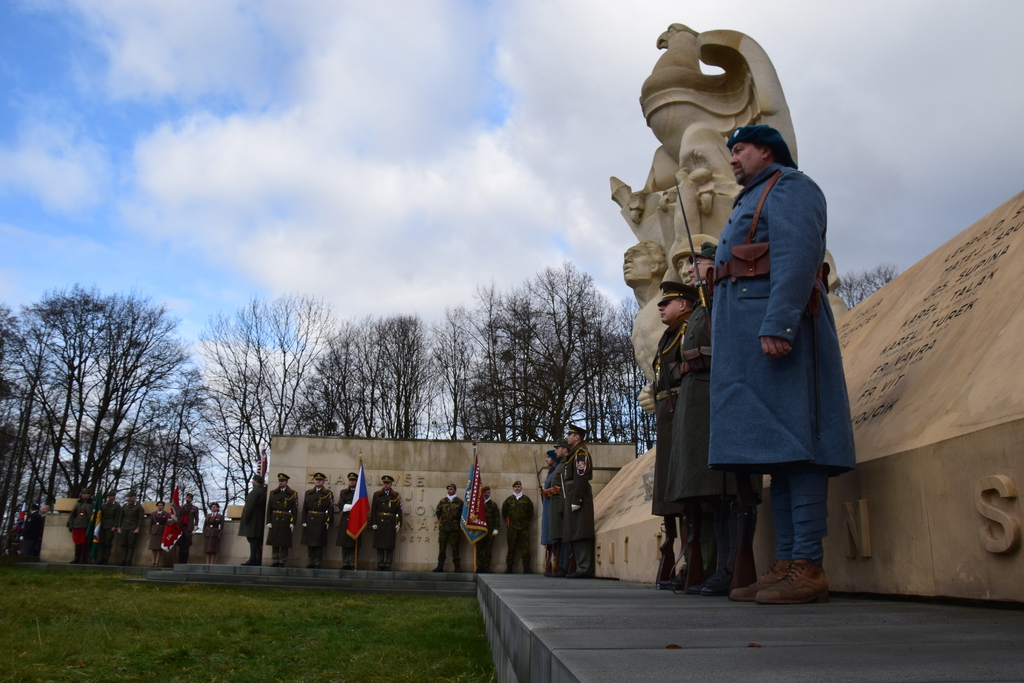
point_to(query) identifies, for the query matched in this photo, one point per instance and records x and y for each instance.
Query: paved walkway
(595, 631)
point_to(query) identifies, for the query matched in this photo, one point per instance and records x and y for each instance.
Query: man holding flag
(173, 528)
(486, 542)
(346, 541)
(78, 525)
(474, 520)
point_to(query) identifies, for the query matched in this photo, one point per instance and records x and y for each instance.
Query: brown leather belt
(695, 360)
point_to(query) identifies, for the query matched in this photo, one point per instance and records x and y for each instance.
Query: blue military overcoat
(763, 409)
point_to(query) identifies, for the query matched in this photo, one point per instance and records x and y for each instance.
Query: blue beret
(767, 137)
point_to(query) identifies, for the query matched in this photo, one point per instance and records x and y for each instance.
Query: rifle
(744, 572)
(694, 556)
(702, 283)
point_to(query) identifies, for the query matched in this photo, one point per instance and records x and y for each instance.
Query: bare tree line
(98, 392)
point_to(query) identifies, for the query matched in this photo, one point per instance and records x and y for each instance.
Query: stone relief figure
(691, 113)
(644, 267)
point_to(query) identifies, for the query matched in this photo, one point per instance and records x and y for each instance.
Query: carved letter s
(988, 499)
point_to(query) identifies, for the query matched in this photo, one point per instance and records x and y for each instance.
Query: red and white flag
(173, 529)
(360, 511)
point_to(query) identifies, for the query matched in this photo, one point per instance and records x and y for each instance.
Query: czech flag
(474, 512)
(93, 532)
(173, 529)
(360, 511)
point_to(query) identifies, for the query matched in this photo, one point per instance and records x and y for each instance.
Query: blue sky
(393, 157)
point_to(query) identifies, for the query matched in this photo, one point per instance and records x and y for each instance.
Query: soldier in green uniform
(579, 503)
(385, 520)
(518, 513)
(484, 546)
(347, 543)
(129, 521)
(251, 524)
(78, 524)
(109, 513)
(449, 529)
(317, 515)
(282, 510)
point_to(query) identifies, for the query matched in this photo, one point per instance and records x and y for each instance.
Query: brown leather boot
(769, 578)
(804, 582)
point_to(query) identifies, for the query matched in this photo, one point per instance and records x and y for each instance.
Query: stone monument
(691, 114)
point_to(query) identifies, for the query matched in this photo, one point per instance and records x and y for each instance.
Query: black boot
(439, 568)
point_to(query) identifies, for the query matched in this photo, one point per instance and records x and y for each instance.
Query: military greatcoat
(317, 515)
(282, 511)
(666, 383)
(345, 498)
(386, 513)
(189, 516)
(556, 516)
(579, 470)
(251, 525)
(763, 409)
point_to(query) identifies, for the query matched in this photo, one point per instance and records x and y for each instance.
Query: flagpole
(477, 467)
(355, 556)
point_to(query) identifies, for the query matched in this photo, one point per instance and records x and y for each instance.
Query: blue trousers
(800, 509)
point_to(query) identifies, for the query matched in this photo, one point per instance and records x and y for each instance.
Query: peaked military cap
(352, 476)
(672, 290)
(517, 483)
(765, 136)
(108, 494)
(282, 477)
(319, 475)
(573, 429)
(132, 493)
(387, 479)
(561, 443)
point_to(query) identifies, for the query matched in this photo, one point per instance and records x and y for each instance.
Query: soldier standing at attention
(579, 503)
(129, 520)
(212, 530)
(282, 509)
(556, 525)
(385, 520)
(157, 522)
(485, 545)
(779, 403)
(518, 513)
(317, 514)
(347, 543)
(78, 524)
(251, 525)
(188, 515)
(109, 513)
(449, 529)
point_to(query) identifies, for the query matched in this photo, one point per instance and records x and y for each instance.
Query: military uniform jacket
(763, 409)
(345, 498)
(129, 517)
(688, 475)
(493, 516)
(667, 362)
(110, 512)
(317, 514)
(212, 530)
(188, 516)
(579, 470)
(251, 525)
(282, 511)
(449, 514)
(33, 528)
(80, 515)
(157, 522)
(386, 514)
(517, 513)
(556, 516)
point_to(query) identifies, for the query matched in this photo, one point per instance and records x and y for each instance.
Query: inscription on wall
(966, 272)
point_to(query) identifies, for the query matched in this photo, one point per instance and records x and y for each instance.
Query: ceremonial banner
(360, 511)
(474, 513)
(93, 532)
(20, 524)
(173, 529)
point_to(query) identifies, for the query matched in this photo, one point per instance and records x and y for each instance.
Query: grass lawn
(84, 626)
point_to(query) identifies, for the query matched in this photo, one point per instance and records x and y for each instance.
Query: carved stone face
(748, 159)
(643, 263)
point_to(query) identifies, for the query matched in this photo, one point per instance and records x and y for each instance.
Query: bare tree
(857, 285)
(257, 366)
(453, 362)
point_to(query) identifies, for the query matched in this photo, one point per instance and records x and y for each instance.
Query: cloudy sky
(393, 156)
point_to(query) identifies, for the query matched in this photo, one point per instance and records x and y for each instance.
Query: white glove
(270, 526)
(291, 527)
(398, 527)
(347, 507)
(494, 533)
(374, 526)
(575, 508)
(303, 525)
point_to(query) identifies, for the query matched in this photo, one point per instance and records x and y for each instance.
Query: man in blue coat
(779, 403)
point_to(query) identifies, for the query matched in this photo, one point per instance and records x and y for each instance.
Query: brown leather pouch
(750, 260)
